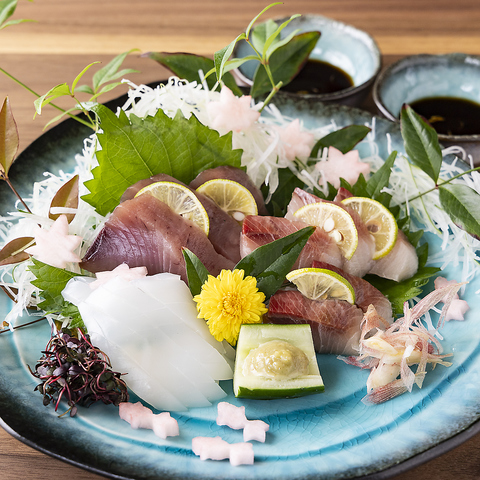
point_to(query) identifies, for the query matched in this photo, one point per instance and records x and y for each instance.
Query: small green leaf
(67, 196)
(187, 66)
(461, 203)
(261, 32)
(61, 90)
(13, 252)
(221, 56)
(270, 263)
(15, 22)
(80, 75)
(250, 25)
(9, 140)
(197, 274)
(343, 139)
(85, 89)
(379, 180)
(421, 142)
(110, 71)
(7, 9)
(285, 63)
(271, 42)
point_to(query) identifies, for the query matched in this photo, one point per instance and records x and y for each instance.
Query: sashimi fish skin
(235, 174)
(362, 259)
(335, 323)
(146, 232)
(365, 293)
(224, 230)
(259, 230)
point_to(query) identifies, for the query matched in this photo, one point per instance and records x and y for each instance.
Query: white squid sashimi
(150, 330)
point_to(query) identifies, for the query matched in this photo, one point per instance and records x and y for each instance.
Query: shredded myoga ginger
(391, 351)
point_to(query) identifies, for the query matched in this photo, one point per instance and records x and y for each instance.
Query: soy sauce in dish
(319, 77)
(450, 115)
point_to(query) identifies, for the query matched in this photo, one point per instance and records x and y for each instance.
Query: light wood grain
(68, 35)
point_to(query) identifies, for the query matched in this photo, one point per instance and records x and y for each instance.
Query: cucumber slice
(276, 361)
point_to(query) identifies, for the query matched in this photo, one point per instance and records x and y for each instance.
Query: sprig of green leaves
(103, 81)
(280, 59)
(460, 202)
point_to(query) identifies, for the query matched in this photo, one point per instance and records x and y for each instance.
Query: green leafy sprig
(459, 201)
(279, 59)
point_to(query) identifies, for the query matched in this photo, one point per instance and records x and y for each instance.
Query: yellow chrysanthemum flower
(228, 301)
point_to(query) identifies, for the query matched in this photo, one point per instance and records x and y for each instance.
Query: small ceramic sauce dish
(444, 89)
(342, 66)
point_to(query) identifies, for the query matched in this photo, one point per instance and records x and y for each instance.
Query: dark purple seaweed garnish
(73, 368)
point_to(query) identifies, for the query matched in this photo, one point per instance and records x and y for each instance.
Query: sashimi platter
(208, 285)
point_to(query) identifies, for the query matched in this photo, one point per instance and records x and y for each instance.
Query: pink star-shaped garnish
(457, 308)
(56, 247)
(339, 165)
(295, 142)
(441, 282)
(231, 113)
(123, 271)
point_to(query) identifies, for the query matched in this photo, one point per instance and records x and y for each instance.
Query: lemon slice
(335, 220)
(322, 284)
(231, 197)
(181, 200)
(379, 221)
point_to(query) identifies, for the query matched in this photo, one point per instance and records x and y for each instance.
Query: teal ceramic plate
(332, 435)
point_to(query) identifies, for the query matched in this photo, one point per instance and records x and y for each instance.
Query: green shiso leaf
(197, 274)
(285, 62)
(421, 142)
(461, 203)
(270, 263)
(51, 281)
(379, 180)
(136, 148)
(9, 139)
(187, 66)
(343, 139)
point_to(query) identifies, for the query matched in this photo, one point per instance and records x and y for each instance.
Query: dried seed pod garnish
(73, 368)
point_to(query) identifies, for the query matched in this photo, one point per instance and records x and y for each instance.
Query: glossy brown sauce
(450, 115)
(319, 77)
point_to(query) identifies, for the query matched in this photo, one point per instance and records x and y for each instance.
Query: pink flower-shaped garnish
(339, 165)
(56, 247)
(295, 142)
(123, 271)
(458, 307)
(231, 113)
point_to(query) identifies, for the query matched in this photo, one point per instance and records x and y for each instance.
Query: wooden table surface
(68, 35)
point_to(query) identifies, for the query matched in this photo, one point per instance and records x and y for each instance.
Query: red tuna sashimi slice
(365, 293)
(362, 259)
(401, 263)
(224, 230)
(236, 175)
(335, 323)
(260, 230)
(146, 232)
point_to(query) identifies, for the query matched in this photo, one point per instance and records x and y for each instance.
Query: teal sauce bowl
(416, 77)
